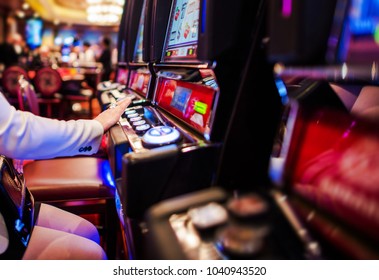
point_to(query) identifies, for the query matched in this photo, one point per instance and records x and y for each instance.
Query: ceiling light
(105, 12)
(25, 6)
(20, 14)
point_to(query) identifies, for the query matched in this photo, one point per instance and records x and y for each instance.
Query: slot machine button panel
(160, 135)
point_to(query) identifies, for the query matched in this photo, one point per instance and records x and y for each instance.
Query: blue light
(282, 90)
(106, 174)
(364, 16)
(203, 16)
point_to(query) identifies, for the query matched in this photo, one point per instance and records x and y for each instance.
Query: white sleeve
(27, 136)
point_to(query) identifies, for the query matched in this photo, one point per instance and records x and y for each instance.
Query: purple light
(286, 8)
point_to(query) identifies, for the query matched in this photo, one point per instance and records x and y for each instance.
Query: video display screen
(33, 32)
(364, 27)
(139, 81)
(192, 103)
(180, 98)
(182, 31)
(359, 41)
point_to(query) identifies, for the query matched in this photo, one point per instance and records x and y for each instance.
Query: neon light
(200, 107)
(376, 34)
(203, 16)
(344, 71)
(286, 8)
(282, 90)
(106, 174)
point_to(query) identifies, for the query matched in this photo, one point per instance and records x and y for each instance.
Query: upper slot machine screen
(182, 32)
(363, 45)
(357, 37)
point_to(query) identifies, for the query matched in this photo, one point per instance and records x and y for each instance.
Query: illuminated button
(142, 128)
(132, 115)
(138, 123)
(128, 112)
(208, 216)
(160, 135)
(155, 132)
(166, 129)
(200, 107)
(135, 119)
(107, 85)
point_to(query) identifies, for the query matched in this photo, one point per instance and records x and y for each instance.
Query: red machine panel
(333, 163)
(122, 76)
(191, 103)
(139, 81)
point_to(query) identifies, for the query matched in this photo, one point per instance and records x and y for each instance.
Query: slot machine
(236, 218)
(134, 67)
(175, 142)
(109, 91)
(136, 53)
(121, 71)
(321, 148)
(140, 78)
(309, 209)
(133, 77)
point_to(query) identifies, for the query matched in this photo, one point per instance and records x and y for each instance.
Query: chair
(10, 85)
(48, 83)
(81, 185)
(83, 91)
(83, 96)
(27, 97)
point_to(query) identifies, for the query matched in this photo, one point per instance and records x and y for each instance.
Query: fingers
(111, 116)
(125, 99)
(124, 102)
(120, 105)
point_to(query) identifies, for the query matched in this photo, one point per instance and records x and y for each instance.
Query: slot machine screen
(180, 98)
(192, 103)
(138, 48)
(182, 32)
(362, 42)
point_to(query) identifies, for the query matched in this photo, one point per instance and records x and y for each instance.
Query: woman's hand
(112, 115)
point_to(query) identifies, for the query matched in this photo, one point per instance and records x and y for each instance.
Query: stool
(9, 82)
(48, 83)
(81, 185)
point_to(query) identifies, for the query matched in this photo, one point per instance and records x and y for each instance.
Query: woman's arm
(26, 136)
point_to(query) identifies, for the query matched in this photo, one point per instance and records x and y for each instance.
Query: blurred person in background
(87, 55)
(11, 50)
(105, 58)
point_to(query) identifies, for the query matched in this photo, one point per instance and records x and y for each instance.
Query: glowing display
(139, 81)
(180, 98)
(361, 43)
(122, 76)
(190, 102)
(364, 16)
(182, 33)
(33, 32)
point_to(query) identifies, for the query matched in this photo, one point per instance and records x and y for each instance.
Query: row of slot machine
(185, 66)
(327, 152)
(195, 155)
(326, 146)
